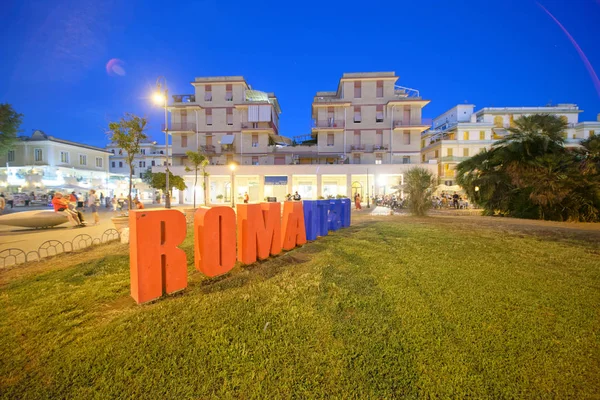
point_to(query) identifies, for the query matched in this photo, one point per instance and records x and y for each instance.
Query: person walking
(2, 203)
(114, 203)
(246, 198)
(10, 200)
(357, 201)
(455, 200)
(92, 204)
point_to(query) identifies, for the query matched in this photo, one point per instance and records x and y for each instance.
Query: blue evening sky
(489, 53)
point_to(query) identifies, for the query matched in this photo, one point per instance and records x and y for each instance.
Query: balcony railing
(384, 147)
(454, 158)
(228, 148)
(184, 98)
(258, 125)
(327, 124)
(181, 126)
(424, 121)
(208, 149)
(357, 147)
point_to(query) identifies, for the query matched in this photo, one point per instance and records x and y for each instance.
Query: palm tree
(419, 186)
(199, 161)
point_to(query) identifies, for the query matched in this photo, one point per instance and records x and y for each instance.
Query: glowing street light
(232, 168)
(160, 98)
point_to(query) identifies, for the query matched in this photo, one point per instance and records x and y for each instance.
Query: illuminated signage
(158, 266)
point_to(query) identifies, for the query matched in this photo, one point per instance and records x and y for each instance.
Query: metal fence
(49, 248)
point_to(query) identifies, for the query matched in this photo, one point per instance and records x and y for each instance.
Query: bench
(34, 219)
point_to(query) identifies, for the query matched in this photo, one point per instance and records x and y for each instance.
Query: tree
(10, 121)
(157, 180)
(128, 133)
(530, 174)
(419, 186)
(199, 161)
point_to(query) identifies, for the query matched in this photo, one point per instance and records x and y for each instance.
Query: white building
(41, 163)
(460, 133)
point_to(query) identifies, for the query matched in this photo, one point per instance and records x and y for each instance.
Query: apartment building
(41, 162)
(150, 155)
(460, 133)
(367, 120)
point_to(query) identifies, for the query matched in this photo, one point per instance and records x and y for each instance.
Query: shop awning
(276, 180)
(227, 139)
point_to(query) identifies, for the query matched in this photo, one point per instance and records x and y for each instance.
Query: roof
(39, 136)
(562, 108)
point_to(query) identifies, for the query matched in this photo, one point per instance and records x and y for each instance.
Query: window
(574, 136)
(120, 164)
(499, 122)
(379, 113)
(465, 152)
(592, 133)
(481, 135)
(208, 116)
(423, 158)
(230, 116)
(142, 164)
(437, 153)
(228, 93)
(279, 160)
(184, 140)
(422, 143)
(379, 89)
(379, 138)
(64, 157)
(356, 159)
(208, 93)
(254, 140)
(378, 158)
(406, 138)
(99, 162)
(112, 164)
(466, 135)
(330, 139)
(153, 163)
(357, 90)
(254, 160)
(120, 152)
(450, 152)
(143, 151)
(113, 151)
(406, 160)
(11, 155)
(357, 115)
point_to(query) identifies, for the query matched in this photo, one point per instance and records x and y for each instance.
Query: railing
(228, 148)
(384, 147)
(208, 149)
(327, 124)
(424, 121)
(184, 98)
(357, 147)
(181, 126)
(454, 158)
(258, 125)
(329, 100)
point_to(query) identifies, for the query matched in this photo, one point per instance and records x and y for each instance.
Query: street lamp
(160, 97)
(232, 168)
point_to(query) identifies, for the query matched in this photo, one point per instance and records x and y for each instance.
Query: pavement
(30, 239)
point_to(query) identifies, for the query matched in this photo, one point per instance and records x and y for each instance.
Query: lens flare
(585, 60)
(115, 67)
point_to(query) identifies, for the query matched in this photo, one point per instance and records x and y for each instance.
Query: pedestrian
(93, 206)
(138, 204)
(61, 205)
(10, 200)
(455, 200)
(246, 198)
(101, 197)
(357, 201)
(297, 196)
(114, 203)
(2, 203)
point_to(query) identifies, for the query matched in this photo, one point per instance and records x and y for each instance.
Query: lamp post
(368, 200)
(160, 97)
(232, 168)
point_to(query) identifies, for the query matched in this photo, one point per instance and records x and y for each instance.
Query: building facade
(460, 133)
(42, 163)
(364, 136)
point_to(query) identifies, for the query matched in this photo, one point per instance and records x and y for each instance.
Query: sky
(54, 54)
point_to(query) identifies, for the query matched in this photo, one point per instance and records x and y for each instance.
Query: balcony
(227, 148)
(263, 126)
(383, 147)
(328, 125)
(358, 148)
(208, 149)
(180, 127)
(454, 159)
(184, 98)
(422, 124)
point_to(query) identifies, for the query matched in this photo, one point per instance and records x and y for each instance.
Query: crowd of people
(447, 200)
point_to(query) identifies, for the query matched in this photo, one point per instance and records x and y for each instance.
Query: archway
(357, 188)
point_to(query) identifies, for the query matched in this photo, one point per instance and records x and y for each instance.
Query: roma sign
(158, 266)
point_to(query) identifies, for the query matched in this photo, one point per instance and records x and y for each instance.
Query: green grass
(389, 308)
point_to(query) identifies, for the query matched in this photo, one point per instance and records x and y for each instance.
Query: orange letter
(156, 265)
(293, 225)
(259, 231)
(214, 238)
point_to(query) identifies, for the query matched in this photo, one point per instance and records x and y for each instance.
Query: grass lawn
(392, 307)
